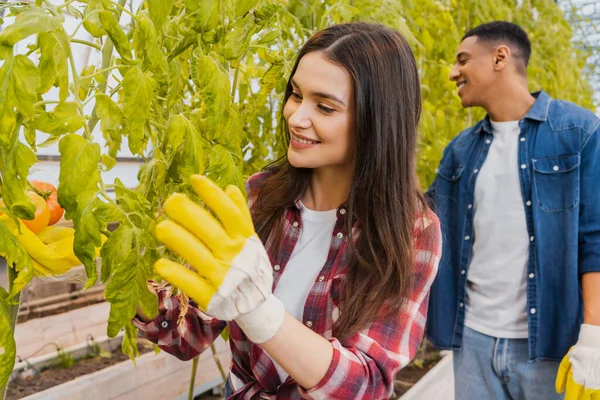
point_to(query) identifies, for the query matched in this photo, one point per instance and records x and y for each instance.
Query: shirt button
(277, 267)
(531, 276)
(531, 238)
(488, 141)
(470, 206)
(321, 278)
(533, 311)
(164, 324)
(340, 235)
(528, 203)
(295, 224)
(555, 168)
(463, 272)
(467, 237)
(522, 139)
(342, 211)
(309, 323)
(462, 305)
(523, 166)
(475, 171)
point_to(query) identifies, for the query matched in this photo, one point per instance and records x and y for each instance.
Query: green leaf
(64, 118)
(16, 257)
(130, 254)
(242, 7)
(108, 112)
(176, 83)
(116, 34)
(25, 80)
(177, 130)
(214, 86)
(108, 162)
(54, 70)
(129, 343)
(138, 89)
(152, 177)
(77, 194)
(147, 47)
(194, 152)
(17, 162)
(159, 11)
(91, 21)
(30, 22)
(8, 347)
(6, 52)
(30, 138)
(207, 14)
(8, 118)
(238, 37)
(222, 167)
(48, 68)
(85, 81)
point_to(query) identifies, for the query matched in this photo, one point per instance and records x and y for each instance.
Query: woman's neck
(328, 188)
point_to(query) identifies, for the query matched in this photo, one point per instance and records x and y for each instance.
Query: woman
(345, 315)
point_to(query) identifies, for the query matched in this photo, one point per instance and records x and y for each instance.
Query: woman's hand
(232, 276)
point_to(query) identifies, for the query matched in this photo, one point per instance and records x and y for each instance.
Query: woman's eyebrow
(322, 95)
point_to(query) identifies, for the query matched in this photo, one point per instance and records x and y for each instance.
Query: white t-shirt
(497, 278)
(305, 264)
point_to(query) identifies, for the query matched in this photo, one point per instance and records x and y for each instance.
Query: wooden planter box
(156, 376)
(42, 335)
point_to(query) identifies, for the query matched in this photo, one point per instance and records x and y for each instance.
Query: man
(518, 287)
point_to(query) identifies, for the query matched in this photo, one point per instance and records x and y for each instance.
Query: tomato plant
(48, 192)
(194, 86)
(42, 213)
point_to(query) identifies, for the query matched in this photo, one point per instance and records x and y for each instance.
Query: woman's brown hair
(384, 198)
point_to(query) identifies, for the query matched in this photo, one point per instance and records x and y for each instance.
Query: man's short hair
(497, 32)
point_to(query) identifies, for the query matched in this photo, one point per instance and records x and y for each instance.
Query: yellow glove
(579, 371)
(233, 277)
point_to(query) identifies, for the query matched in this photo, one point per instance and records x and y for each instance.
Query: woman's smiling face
(320, 114)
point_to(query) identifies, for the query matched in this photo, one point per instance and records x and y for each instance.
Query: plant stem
(157, 125)
(13, 311)
(236, 75)
(85, 42)
(121, 6)
(193, 378)
(101, 71)
(213, 350)
(107, 51)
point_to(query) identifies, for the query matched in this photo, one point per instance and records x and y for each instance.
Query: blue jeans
(228, 389)
(498, 369)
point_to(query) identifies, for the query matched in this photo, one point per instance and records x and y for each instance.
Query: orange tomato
(56, 211)
(42, 213)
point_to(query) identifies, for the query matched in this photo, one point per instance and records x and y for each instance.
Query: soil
(426, 359)
(22, 387)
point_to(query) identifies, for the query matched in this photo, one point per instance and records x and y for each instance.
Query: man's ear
(501, 55)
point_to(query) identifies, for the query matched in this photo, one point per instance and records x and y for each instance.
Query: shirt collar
(538, 112)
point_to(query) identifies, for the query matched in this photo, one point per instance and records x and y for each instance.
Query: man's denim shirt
(559, 170)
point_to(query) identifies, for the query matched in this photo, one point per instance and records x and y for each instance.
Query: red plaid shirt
(363, 366)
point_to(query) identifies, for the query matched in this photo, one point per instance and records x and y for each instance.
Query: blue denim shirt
(559, 170)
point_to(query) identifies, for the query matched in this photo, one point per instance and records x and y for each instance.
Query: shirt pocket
(556, 182)
(450, 173)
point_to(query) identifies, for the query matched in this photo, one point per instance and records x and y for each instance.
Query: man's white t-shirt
(497, 278)
(305, 264)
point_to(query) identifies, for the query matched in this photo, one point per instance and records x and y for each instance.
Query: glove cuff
(589, 336)
(262, 323)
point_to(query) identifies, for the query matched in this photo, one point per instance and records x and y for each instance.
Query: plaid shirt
(363, 366)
